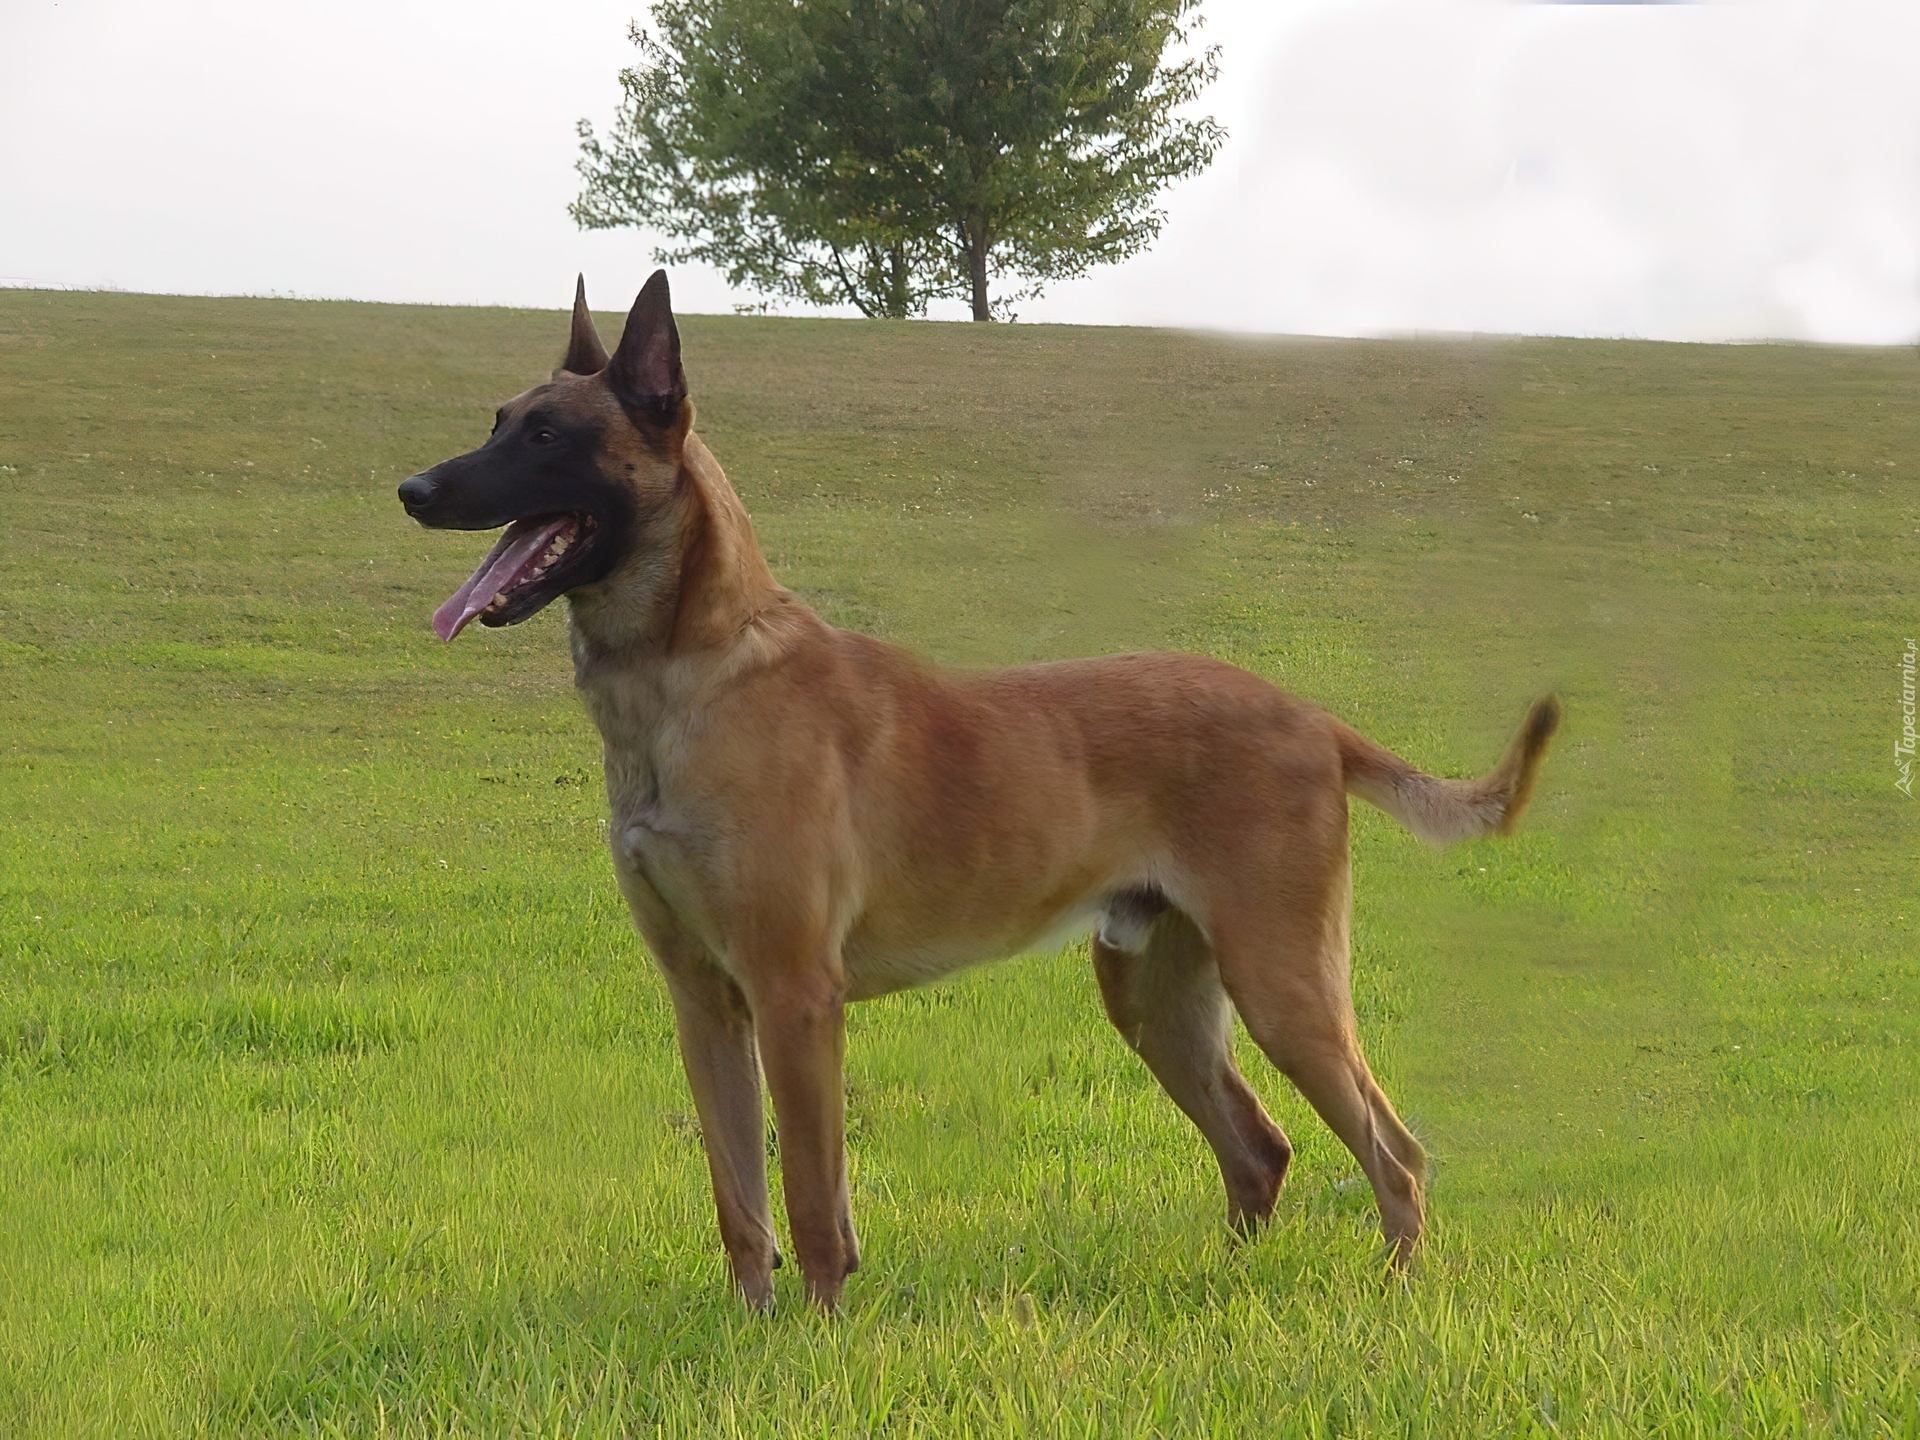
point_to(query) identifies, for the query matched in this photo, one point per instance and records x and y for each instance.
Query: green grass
(337, 1097)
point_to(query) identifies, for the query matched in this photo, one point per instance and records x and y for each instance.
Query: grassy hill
(337, 1096)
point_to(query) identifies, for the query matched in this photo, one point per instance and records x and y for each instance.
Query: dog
(802, 816)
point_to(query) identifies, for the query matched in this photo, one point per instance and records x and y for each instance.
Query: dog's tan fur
(802, 816)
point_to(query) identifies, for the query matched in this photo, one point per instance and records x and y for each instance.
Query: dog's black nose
(416, 493)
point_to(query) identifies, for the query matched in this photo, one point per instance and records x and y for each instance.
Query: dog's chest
(647, 790)
(658, 846)
(661, 833)
(658, 840)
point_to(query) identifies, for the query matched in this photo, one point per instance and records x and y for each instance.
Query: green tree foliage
(884, 153)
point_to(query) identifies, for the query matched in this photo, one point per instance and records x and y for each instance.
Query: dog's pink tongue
(518, 551)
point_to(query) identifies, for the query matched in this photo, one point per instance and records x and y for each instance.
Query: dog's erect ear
(585, 354)
(645, 371)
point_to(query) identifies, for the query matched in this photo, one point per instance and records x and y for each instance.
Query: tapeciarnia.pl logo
(1903, 747)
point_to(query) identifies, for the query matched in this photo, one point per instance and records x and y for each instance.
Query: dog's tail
(1443, 811)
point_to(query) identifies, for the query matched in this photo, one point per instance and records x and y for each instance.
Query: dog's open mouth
(519, 575)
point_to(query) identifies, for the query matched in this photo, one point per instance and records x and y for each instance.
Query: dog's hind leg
(1166, 1000)
(1285, 963)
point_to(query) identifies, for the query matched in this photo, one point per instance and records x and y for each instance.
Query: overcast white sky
(1736, 170)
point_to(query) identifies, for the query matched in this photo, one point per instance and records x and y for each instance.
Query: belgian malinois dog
(803, 816)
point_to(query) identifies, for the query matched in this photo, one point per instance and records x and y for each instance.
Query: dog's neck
(695, 582)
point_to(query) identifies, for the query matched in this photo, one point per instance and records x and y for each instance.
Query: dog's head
(574, 468)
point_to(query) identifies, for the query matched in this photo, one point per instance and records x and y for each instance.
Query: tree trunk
(898, 296)
(977, 244)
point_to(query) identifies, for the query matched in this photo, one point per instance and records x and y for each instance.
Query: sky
(1738, 170)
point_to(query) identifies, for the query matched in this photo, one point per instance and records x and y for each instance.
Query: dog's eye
(544, 437)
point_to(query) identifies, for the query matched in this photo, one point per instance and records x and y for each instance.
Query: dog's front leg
(801, 1020)
(715, 1027)
(717, 1047)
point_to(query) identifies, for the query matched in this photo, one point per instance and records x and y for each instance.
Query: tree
(884, 153)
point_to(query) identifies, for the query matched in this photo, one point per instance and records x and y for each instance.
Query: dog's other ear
(585, 354)
(645, 371)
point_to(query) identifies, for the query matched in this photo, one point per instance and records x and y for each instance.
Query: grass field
(337, 1097)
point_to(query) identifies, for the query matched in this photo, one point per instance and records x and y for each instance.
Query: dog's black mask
(548, 473)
